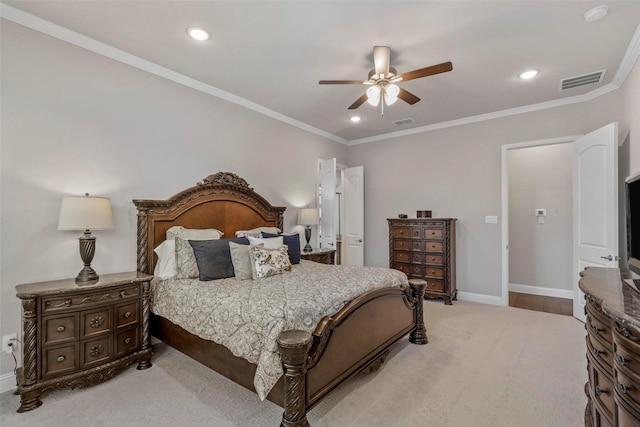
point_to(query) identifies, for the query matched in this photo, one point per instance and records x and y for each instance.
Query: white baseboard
(480, 298)
(7, 382)
(538, 290)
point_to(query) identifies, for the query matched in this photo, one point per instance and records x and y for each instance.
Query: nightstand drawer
(96, 322)
(127, 341)
(96, 351)
(87, 300)
(58, 329)
(59, 360)
(127, 314)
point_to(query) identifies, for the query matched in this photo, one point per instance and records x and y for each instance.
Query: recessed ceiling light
(596, 13)
(355, 119)
(198, 33)
(529, 74)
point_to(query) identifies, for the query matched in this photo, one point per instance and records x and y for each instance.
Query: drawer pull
(97, 350)
(626, 332)
(622, 361)
(96, 322)
(60, 359)
(127, 315)
(600, 391)
(127, 340)
(60, 328)
(598, 352)
(401, 232)
(597, 330)
(623, 388)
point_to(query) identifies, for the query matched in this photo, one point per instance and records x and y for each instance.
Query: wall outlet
(6, 339)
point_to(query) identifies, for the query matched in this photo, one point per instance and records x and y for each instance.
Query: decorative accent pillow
(186, 265)
(255, 232)
(193, 233)
(293, 243)
(213, 257)
(241, 260)
(269, 262)
(166, 264)
(273, 243)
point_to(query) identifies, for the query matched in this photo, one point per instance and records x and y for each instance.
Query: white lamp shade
(373, 95)
(85, 213)
(391, 94)
(308, 216)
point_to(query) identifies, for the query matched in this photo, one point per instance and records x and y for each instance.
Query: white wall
(75, 122)
(540, 254)
(456, 172)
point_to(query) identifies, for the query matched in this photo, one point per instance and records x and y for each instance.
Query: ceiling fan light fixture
(373, 95)
(355, 119)
(391, 93)
(198, 34)
(596, 13)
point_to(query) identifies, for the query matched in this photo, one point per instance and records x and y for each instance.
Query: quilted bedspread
(246, 316)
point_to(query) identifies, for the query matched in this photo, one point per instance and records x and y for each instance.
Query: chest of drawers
(77, 336)
(424, 248)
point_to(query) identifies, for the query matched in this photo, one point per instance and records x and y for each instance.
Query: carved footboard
(345, 344)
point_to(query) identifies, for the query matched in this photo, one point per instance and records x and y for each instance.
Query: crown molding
(22, 18)
(27, 20)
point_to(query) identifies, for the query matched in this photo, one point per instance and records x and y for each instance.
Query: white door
(353, 253)
(327, 203)
(595, 205)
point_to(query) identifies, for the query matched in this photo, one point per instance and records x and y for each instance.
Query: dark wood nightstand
(321, 255)
(79, 336)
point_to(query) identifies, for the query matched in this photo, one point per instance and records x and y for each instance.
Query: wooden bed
(356, 339)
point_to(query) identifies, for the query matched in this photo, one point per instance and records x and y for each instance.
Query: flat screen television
(632, 187)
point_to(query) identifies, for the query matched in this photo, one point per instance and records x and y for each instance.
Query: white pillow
(269, 243)
(268, 262)
(256, 231)
(166, 265)
(193, 233)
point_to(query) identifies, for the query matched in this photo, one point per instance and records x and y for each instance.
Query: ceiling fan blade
(341, 82)
(381, 59)
(408, 97)
(358, 102)
(428, 71)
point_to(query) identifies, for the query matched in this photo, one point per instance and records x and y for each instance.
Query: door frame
(505, 202)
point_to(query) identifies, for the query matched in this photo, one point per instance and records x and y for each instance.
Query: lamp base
(87, 276)
(307, 236)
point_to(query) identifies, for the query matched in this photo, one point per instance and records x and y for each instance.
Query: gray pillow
(241, 259)
(214, 257)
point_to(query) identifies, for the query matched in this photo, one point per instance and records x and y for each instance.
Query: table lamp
(86, 213)
(308, 217)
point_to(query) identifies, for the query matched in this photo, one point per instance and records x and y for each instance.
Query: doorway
(537, 224)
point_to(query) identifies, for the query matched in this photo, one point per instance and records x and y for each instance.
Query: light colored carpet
(484, 366)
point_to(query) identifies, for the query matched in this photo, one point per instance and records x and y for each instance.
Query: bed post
(419, 334)
(294, 347)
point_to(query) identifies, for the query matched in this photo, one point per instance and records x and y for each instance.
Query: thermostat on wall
(541, 212)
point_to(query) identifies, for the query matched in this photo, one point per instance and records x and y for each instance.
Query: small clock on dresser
(78, 336)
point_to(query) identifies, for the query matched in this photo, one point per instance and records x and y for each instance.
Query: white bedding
(246, 316)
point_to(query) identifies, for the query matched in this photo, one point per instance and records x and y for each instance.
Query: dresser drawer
(416, 270)
(603, 391)
(127, 341)
(401, 267)
(96, 322)
(431, 233)
(402, 256)
(435, 285)
(96, 351)
(600, 353)
(433, 259)
(417, 258)
(127, 314)
(59, 360)
(401, 232)
(61, 328)
(82, 301)
(626, 388)
(626, 361)
(417, 232)
(433, 246)
(417, 245)
(599, 329)
(434, 272)
(401, 244)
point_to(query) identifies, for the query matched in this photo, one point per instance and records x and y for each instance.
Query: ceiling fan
(382, 80)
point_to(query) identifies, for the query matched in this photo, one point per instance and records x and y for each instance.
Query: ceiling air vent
(585, 79)
(403, 121)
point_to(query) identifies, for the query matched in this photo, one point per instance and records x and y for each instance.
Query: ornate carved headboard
(223, 201)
